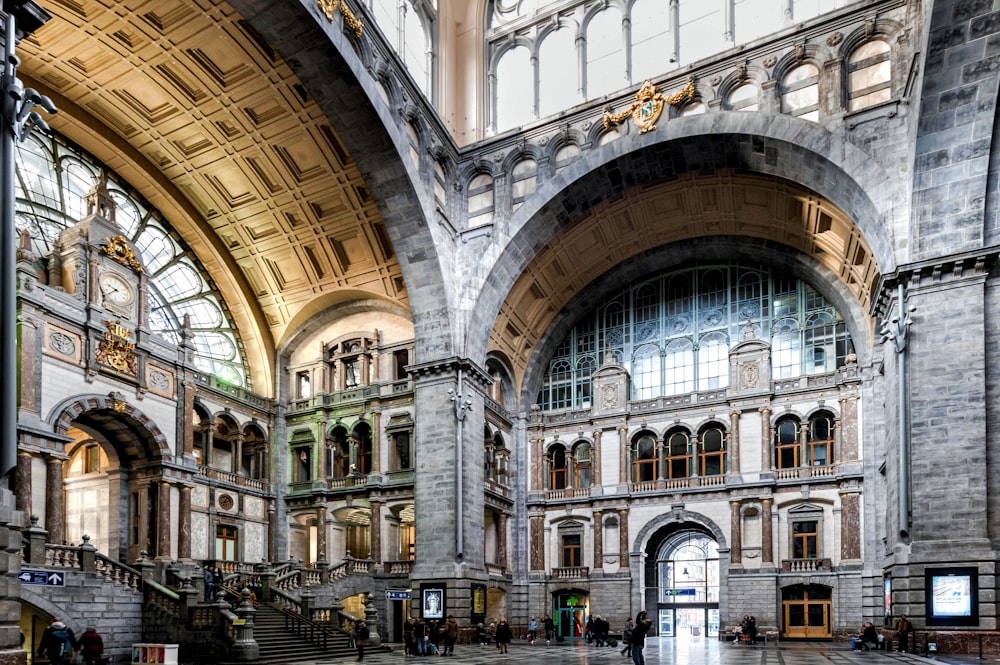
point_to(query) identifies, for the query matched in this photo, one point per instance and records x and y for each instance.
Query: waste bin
(161, 654)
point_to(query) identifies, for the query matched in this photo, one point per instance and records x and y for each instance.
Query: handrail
(311, 630)
(117, 572)
(163, 599)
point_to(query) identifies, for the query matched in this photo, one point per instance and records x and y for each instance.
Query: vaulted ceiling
(191, 106)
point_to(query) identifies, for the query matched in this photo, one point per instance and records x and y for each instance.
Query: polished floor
(670, 651)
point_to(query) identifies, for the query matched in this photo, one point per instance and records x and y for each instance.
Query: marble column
(272, 531)
(54, 515)
(847, 432)
(22, 482)
(502, 541)
(163, 521)
(376, 441)
(598, 539)
(766, 539)
(661, 459)
(804, 445)
(734, 443)
(321, 552)
(209, 443)
(765, 439)
(595, 460)
(236, 465)
(536, 553)
(623, 457)
(188, 389)
(184, 523)
(850, 526)
(735, 535)
(376, 531)
(144, 543)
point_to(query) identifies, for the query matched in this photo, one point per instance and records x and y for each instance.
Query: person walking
(504, 635)
(420, 636)
(642, 625)
(550, 628)
(532, 630)
(361, 635)
(209, 578)
(903, 630)
(91, 646)
(627, 637)
(408, 648)
(58, 642)
(450, 636)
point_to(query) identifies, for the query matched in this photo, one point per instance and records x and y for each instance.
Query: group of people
(869, 637)
(747, 630)
(213, 581)
(59, 644)
(425, 637)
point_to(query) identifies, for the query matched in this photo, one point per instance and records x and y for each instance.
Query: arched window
(713, 362)
(558, 83)
(480, 201)
(743, 98)
(713, 450)
(678, 454)
(581, 465)
(646, 372)
(515, 89)
(800, 92)
(408, 27)
(689, 560)
(60, 176)
(340, 449)
(524, 178)
(558, 467)
(786, 444)
(820, 439)
(644, 459)
(869, 75)
(605, 49)
(363, 441)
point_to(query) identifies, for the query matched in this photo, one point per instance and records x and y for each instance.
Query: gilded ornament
(115, 350)
(118, 249)
(119, 406)
(646, 110)
(329, 8)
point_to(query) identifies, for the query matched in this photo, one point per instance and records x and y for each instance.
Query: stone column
(537, 477)
(623, 547)
(29, 390)
(502, 541)
(22, 482)
(695, 461)
(850, 525)
(735, 535)
(765, 439)
(272, 532)
(536, 555)
(661, 459)
(186, 420)
(623, 456)
(766, 539)
(142, 500)
(54, 516)
(209, 443)
(376, 531)
(376, 441)
(804, 444)
(848, 430)
(595, 461)
(184, 523)
(163, 522)
(321, 552)
(236, 466)
(734, 443)
(598, 539)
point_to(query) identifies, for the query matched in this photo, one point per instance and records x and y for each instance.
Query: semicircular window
(52, 178)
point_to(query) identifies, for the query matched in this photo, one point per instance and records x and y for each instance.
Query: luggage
(612, 642)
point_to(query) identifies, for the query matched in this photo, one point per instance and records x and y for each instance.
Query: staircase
(279, 644)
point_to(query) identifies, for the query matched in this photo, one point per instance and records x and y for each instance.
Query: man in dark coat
(642, 625)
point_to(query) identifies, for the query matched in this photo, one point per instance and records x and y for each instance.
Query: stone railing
(713, 481)
(646, 486)
(351, 566)
(495, 487)
(166, 601)
(678, 483)
(568, 493)
(84, 558)
(399, 477)
(805, 565)
(288, 581)
(358, 480)
(117, 573)
(234, 479)
(404, 567)
(571, 573)
(495, 569)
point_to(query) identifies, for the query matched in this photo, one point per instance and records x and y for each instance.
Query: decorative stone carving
(62, 343)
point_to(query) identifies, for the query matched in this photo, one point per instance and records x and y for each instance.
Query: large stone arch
(323, 57)
(793, 153)
(135, 435)
(676, 517)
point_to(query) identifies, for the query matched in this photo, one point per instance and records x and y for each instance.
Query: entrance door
(806, 612)
(569, 613)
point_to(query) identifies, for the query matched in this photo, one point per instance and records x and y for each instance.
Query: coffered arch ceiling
(722, 204)
(190, 105)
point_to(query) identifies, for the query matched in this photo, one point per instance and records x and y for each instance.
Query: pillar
(184, 523)
(209, 443)
(804, 445)
(850, 526)
(765, 439)
(376, 532)
(623, 455)
(236, 466)
(735, 535)
(847, 432)
(595, 461)
(734, 443)
(163, 521)
(376, 441)
(502, 541)
(598, 539)
(537, 457)
(23, 482)
(766, 540)
(661, 459)
(187, 422)
(321, 552)
(54, 516)
(536, 554)
(623, 534)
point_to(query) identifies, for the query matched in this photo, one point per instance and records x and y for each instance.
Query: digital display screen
(952, 596)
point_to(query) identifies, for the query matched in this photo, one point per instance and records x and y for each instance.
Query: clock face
(115, 290)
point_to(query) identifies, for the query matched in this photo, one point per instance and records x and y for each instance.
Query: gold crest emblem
(648, 106)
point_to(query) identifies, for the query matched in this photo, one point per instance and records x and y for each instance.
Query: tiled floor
(669, 651)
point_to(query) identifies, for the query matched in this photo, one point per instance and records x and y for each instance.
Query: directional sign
(397, 595)
(678, 592)
(41, 577)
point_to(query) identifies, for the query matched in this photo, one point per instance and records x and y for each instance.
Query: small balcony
(805, 565)
(571, 573)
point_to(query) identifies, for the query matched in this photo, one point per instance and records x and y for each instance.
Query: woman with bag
(92, 647)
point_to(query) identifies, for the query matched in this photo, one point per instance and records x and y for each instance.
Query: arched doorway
(805, 611)
(687, 580)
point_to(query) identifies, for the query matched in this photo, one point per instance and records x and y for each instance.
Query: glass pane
(797, 615)
(817, 615)
(703, 28)
(605, 54)
(515, 89)
(651, 40)
(558, 81)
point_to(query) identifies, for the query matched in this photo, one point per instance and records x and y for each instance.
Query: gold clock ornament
(115, 289)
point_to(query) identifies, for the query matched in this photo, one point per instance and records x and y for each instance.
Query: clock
(116, 291)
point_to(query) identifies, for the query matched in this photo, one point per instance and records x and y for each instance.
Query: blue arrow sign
(397, 595)
(41, 577)
(678, 592)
